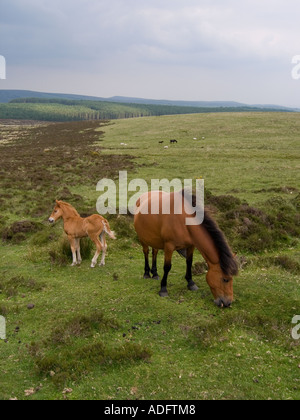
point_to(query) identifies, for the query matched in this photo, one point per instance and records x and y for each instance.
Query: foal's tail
(107, 230)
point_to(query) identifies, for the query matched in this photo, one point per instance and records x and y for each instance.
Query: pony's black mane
(228, 262)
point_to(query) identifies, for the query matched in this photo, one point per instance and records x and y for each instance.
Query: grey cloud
(234, 40)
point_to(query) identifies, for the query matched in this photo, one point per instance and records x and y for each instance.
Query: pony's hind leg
(169, 249)
(104, 248)
(97, 242)
(154, 264)
(147, 266)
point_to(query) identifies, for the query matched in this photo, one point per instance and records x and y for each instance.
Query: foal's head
(56, 214)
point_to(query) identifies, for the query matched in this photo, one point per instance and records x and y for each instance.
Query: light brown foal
(95, 227)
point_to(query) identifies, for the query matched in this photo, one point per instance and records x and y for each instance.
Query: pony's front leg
(169, 249)
(189, 263)
(73, 249)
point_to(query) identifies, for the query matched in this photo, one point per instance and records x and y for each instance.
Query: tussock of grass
(281, 261)
(67, 366)
(3, 310)
(124, 228)
(258, 327)
(255, 230)
(18, 231)
(199, 268)
(60, 360)
(81, 326)
(60, 251)
(15, 285)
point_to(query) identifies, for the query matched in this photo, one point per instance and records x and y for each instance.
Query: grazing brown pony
(76, 227)
(170, 233)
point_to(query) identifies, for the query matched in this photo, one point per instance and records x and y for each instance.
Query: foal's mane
(69, 208)
(228, 262)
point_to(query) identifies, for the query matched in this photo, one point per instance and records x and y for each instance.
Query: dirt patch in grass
(43, 162)
(18, 231)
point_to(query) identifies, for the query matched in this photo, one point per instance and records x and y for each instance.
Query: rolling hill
(9, 95)
(30, 105)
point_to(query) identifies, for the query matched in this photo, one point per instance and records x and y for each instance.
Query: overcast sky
(237, 50)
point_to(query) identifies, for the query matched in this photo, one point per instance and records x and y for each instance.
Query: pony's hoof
(147, 277)
(193, 287)
(102, 265)
(156, 278)
(163, 293)
(73, 265)
(93, 266)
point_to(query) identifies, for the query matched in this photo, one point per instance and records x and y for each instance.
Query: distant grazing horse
(170, 233)
(173, 141)
(76, 227)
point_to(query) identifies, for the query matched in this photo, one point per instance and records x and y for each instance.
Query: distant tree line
(78, 110)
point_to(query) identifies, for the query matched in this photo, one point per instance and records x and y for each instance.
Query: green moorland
(78, 333)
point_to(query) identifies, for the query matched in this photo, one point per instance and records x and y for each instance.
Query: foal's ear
(58, 203)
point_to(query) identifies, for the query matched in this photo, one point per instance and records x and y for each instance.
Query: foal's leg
(147, 266)
(154, 264)
(96, 240)
(189, 263)
(104, 248)
(169, 249)
(73, 245)
(79, 259)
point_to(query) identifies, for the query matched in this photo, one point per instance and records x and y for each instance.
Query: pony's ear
(58, 203)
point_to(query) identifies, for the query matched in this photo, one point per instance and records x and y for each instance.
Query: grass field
(105, 333)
